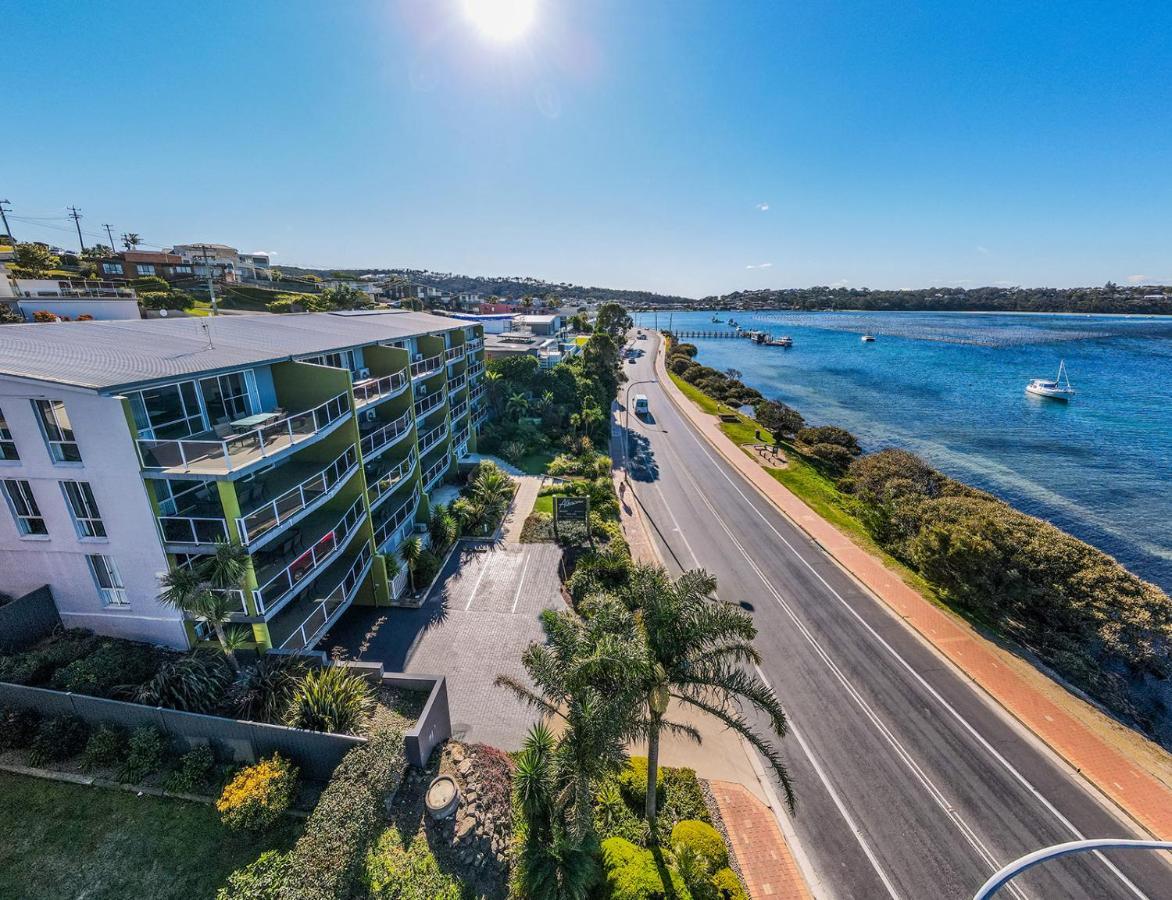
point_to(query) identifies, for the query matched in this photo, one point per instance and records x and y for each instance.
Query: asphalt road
(910, 783)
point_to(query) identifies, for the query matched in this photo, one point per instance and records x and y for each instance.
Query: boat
(1058, 389)
(783, 341)
(868, 338)
(715, 319)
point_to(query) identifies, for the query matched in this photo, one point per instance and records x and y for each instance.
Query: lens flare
(501, 20)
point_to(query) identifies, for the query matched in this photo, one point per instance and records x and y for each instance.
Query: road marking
(1005, 763)
(476, 587)
(520, 582)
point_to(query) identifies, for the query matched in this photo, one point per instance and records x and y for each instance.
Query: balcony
(475, 369)
(302, 623)
(426, 404)
(459, 410)
(457, 384)
(429, 366)
(396, 520)
(454, 354)
(301, 497)
(481, 418)
(433, 437)
(477, 392)
(377, 437)
(461, 442)
(473, 344)
(433, 475)
(383, 485)
(372, 390)
(193, 531)
(291, 566)
(221, 452)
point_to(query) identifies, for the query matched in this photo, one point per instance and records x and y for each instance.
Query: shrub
(728, 886)
(613, 817)
(195, 683)
(105, 749)
(633, 782)
(326, 859)
(262, 879)
(85, 317)
(37, 666)
(632, 873)
(513, 451)
(333, 699)
(606, 572)
(113, 664)
(150, 283)
(42, 315)
(685, 799)
(18, 727)
(157, 300)
(702, 838)
(395, 872)
(836, 458)
(259, 795)
(494, 770)
(194, 771)
(58, 738)
(145, 754)
(830, 434)
(262, 692)
(426, 568)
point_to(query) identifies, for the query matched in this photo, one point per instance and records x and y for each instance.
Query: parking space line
(521, 581)
(476, 587)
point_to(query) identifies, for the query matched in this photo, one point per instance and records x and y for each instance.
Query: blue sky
(624, 143)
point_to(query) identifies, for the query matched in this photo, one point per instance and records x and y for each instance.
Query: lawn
(535, 463)
(65, 840)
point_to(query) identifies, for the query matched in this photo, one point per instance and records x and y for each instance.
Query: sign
(571, 509)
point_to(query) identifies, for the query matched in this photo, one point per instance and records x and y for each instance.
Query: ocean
(951, 388)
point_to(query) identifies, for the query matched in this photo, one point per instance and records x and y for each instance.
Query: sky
(692, 147)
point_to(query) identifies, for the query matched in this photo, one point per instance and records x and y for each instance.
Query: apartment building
(314, 440)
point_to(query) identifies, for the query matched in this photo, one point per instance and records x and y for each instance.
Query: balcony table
(248, 423)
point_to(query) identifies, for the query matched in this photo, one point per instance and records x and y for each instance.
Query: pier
(721, 333)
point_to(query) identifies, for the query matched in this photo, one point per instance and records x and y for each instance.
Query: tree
(410, 552)
(697, 647)
(781, 420)
(35, 260)
(344, 296)
(580, 323)
(202, 591)
(491, 488)
(734, 374)
(613, 320)
(517, 405)
(131, 240)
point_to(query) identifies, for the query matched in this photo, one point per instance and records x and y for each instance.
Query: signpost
(572, 509)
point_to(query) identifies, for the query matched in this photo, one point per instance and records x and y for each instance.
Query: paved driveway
(479, 617)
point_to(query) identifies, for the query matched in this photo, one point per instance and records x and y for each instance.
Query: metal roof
(119, 353)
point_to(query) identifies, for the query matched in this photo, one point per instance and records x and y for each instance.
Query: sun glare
(501, 20)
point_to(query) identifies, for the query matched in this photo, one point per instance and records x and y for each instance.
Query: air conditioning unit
(370, 416)
(363, 374)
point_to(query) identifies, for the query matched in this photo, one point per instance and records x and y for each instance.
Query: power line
(110, 235)
(76, 216)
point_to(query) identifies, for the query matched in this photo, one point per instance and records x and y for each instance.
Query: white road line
(520, 582)
(1008, 766)
(476, 587)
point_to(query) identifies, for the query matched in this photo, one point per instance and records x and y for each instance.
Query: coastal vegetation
(1075, 608)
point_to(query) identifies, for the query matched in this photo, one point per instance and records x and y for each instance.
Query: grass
(544, 505)
(66, 840)
(535, 463)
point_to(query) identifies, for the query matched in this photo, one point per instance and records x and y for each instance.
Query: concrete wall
(99, 309)
(110, 465)
(27, 619)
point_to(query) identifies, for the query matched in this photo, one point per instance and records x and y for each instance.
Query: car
(642, 407)
(631, 360)
(642, 336)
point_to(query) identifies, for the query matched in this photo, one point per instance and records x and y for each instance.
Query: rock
(479, 860)
(465, 767)
(457, 753)
(463, 827)
(471, 797)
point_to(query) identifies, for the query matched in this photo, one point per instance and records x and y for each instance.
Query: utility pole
(76, 216)
(211, 282)
(7, 230)
(110, 235)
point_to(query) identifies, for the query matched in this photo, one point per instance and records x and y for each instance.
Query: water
(950, 387)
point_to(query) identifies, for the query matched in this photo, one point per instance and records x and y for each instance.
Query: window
(58, 431)
(340, 360)
(183, 270)
(108, 581)
(24, 507)
(86, 518)
(170, 411)
(111, 268)
(7, 445)
(225, 397)
(145, 269)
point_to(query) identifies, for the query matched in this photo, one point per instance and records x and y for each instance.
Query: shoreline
(912, 312)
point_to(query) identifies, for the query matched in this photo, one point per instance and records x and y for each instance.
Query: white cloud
(842, 282)
(265, 253)
(1138, 279)
(763, 207)
(761, 266)
(984, 250)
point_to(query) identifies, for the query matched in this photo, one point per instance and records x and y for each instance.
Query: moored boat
(868, 338)
(1057, 389)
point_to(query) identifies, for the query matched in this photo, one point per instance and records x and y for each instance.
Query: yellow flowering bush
(259, 794)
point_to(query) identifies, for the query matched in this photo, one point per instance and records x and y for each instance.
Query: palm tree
(202, 592)
(517, 405)
(131, 240)
(495, 384)
(410, 552)
(697, 647)
(492, 488)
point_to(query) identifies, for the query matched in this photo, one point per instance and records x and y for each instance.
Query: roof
(537, 320)
(110, 355)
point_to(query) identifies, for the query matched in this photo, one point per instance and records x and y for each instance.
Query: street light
(1000, 878)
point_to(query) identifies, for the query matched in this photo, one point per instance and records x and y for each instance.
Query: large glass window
(24, 507)
(341, 360)
(7, 445)
(108, 581)
(144, 269)
(111, 268)
(58, 431)
(226, 397)
(168, 412)
(86, 518)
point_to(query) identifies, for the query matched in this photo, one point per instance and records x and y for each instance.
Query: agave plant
(331, 699)
(194, 683)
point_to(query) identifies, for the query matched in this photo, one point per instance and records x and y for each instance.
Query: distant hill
(512, 287)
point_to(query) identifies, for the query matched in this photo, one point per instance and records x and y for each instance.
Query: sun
(501, 20)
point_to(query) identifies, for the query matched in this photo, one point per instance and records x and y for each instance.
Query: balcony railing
(427, 366)
(433, 437)
(480, 419)
(432, 476)
(387, 483)
(475, 369)
(269, 594)
(454, 354)
(216, 455)
(457, 383)
(473, 344)
(262, 521)
(461, 441)
(426, 404)
(477, 392)
(193, 530)
(372, 389)
(309, 630)
(391, 523)
(388, 434)
(459, 409)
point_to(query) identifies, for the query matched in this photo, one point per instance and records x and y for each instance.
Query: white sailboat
(1058, 389)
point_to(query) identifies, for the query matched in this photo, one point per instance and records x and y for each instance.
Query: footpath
(1132, 772)
(767, 864)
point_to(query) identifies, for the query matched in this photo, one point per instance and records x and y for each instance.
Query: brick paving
(1027, 694)
(767, 866)
(521, 506)
(479, 617)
